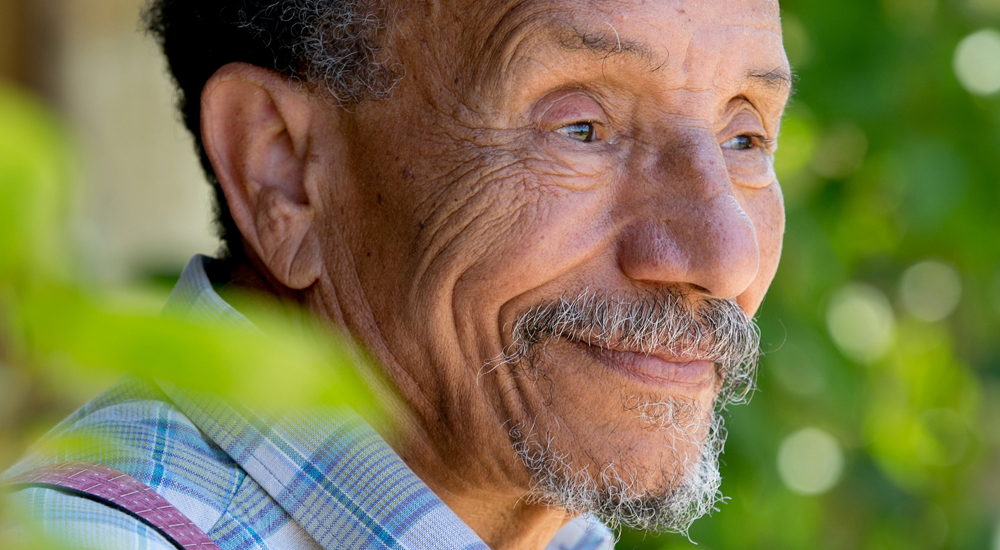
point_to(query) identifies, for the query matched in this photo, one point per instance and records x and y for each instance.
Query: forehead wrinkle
(523, 24)
(508, 34)
(710, 64)
(514, 34)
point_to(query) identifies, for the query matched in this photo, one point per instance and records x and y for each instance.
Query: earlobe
(287, 241)
(256, 131)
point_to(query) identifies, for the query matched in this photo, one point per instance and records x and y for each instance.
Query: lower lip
(691, 376)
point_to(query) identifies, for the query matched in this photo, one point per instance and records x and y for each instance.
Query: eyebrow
(608, 43)
(777, 78)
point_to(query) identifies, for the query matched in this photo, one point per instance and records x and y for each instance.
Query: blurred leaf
(52, 322)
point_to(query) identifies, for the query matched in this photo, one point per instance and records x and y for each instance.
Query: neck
(467, 478)
(502, 525)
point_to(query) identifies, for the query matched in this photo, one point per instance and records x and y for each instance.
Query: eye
(579, 131)
(743, 142)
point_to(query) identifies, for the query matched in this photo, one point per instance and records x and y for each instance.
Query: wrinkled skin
(425, 223)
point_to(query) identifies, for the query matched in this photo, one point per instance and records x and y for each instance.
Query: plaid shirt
(309, 480)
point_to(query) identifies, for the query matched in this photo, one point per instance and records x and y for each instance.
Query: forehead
(694, 44)
(663, 14)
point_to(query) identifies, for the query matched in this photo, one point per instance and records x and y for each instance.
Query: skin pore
(532, 150)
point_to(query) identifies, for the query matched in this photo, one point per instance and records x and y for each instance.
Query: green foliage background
(885, 161)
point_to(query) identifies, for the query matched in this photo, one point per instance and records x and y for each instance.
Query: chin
(658, 482)
(631, 439)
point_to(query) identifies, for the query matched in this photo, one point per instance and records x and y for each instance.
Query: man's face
(614, 157)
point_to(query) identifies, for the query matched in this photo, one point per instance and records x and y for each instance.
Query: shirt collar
(194, 298)
(326, 467)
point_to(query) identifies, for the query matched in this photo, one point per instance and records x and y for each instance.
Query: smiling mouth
(658, 368)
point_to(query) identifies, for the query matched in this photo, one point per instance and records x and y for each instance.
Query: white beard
(615, 496)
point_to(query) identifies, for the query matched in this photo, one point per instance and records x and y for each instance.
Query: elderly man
(548, 221)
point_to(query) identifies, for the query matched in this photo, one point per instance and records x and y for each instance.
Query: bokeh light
(930, 290)
(977, 62)
(810, 461)
(861, 322)
(797, 368)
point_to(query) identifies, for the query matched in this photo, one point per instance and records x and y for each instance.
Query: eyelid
(747, 121)
(569, 106)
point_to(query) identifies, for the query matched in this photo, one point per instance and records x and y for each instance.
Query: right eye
(579, 131)
(740, 143)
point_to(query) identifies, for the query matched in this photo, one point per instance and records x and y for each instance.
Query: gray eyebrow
(777, 78)
(606, 43)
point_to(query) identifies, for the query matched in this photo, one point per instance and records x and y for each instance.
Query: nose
(682, 224)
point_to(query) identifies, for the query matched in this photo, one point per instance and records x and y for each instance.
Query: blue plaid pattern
(249, 479)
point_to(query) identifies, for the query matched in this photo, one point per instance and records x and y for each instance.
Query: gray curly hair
(334, 44)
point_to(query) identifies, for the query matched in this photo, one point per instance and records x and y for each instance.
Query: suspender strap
(122, 492)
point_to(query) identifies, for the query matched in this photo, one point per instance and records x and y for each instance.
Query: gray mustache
(662, 321)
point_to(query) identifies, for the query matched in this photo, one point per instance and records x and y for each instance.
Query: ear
(255, 126)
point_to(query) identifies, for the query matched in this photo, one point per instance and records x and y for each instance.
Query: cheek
(753, 170)
(545, 220)
(518, 215)
(557, 161)
(767, 211)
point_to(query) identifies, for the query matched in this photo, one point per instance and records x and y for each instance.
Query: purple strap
(122, 491)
